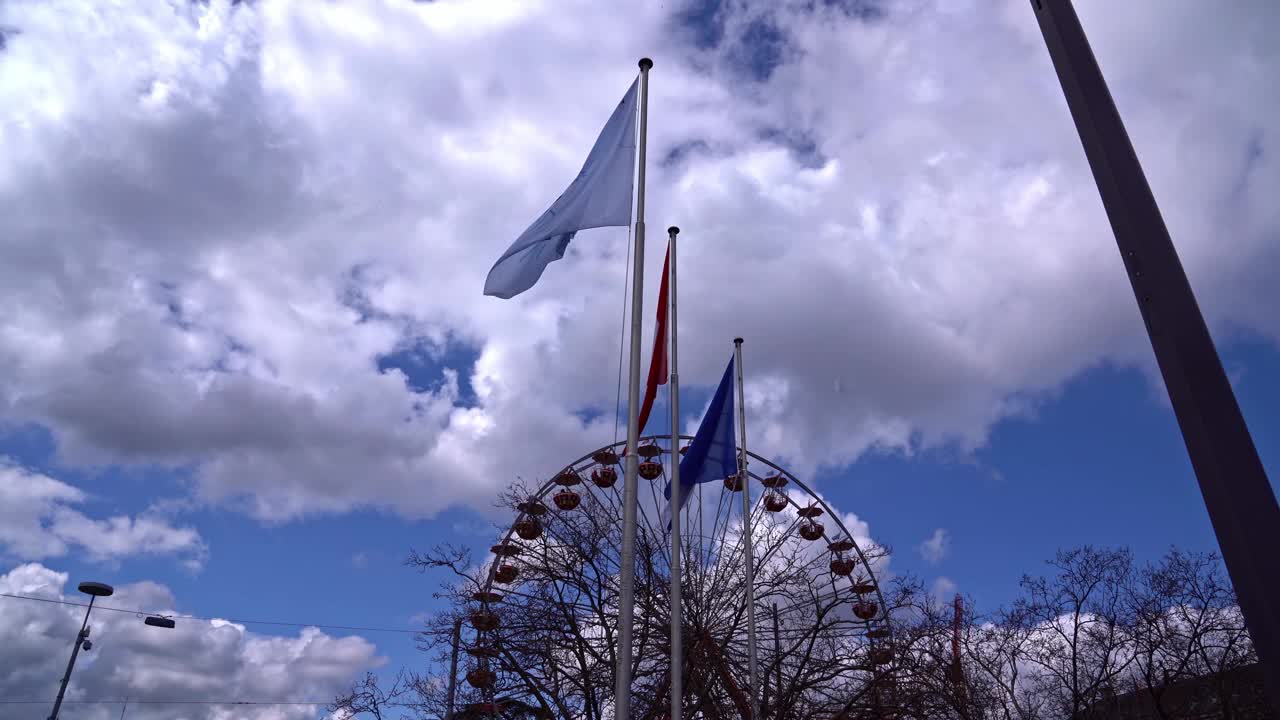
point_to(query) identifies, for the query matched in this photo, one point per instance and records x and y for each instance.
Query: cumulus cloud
(222, 220)
(37, 521)
(942, 589)
(194, 661)
(936, 547)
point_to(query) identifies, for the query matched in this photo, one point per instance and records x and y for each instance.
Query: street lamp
(94, 590)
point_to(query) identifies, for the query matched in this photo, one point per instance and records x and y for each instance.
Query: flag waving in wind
(599, 197)
(658, 370)
(712, 454)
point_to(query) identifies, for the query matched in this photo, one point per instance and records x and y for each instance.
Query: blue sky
(1101, 462)
(245, 363)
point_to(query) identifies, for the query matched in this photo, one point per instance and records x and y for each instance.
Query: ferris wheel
(542, 620)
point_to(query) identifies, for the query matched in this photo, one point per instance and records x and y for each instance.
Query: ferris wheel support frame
(542, 490)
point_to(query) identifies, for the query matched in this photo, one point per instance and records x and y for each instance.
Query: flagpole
(630, 490)
(677, 605)
(747, 539)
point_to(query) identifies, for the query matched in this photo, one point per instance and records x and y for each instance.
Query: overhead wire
(133, 701)
(355, 628)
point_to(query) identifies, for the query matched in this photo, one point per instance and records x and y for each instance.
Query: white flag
(599, 197)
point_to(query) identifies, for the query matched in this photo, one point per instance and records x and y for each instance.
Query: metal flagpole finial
(737, 341)
(673, 230)
(645, 63)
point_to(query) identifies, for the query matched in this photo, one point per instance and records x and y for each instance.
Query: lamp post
(94, 590)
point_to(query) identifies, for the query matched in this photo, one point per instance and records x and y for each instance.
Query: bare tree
(1080, 648)
(1187, 625)
(997, 652)
(1101, 638)
(1068, 648)
(367, 698)
(542, 620)
(932, 686)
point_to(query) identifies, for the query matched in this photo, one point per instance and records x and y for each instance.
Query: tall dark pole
(94, 590)
(81, 637)
(453, 669)
(777, 663)
(1240, 501)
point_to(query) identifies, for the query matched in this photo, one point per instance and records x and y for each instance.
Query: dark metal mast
(1241, 504)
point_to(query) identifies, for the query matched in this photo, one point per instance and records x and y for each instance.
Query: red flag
(658, 363)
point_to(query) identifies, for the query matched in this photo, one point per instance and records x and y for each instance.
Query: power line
(210, 619)
(132, 701)
(789, 632)
(187, 702)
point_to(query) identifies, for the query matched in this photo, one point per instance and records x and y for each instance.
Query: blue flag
(713, 454)
(599, 197)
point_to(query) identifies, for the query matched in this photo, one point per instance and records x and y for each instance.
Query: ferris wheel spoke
(716, 540)
(700, 566)
(729, 559)
(564, 554)
(770, 547)
(761, 526)
(834, 597)
(654, 525)
(654, 529)
(535, 600)
(597, 515)
(721, 510)
(800, 603)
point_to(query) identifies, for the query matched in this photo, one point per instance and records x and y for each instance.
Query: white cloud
(220, 219)
(936, 547)
(37, 522)
(943, 589)
(194, 661)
